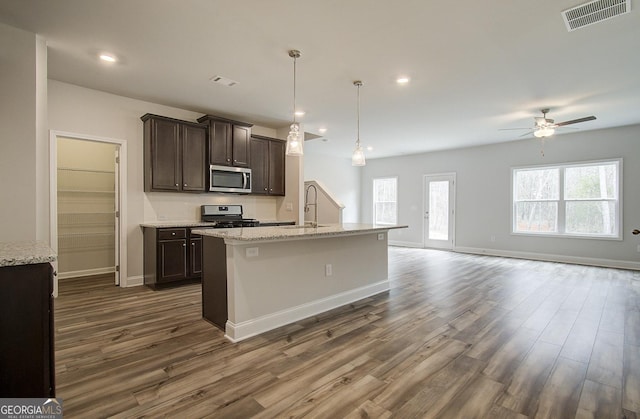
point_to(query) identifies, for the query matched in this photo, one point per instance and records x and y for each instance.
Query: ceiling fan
(544, 127)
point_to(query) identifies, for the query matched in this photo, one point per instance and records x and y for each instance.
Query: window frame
(562, 202)
(373, 189)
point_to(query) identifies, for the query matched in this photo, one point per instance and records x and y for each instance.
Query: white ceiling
(475, 66)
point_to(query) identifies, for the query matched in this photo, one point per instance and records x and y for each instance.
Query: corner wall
(21, 110)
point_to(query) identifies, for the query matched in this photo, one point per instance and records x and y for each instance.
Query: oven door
(229, 179)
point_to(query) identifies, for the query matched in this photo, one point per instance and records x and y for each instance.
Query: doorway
(86, 196)
(439, 211)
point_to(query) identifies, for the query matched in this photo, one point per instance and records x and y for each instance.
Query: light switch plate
(380, 236)
(251, 252)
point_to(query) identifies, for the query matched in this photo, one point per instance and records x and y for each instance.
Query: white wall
(84, 111)
(22, 109)
(484, 195)
(340, 178)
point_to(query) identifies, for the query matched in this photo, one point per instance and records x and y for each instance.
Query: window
(568, 200)
(385, 206)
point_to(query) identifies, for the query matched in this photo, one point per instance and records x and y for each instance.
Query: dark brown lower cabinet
(27, 367)
(171, 255)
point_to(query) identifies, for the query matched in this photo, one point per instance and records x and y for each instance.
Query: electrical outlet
(639, 248)
(251, 252)
(289, 206)
(493, 238)
(328, 270)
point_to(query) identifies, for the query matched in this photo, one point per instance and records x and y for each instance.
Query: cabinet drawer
(172, 233)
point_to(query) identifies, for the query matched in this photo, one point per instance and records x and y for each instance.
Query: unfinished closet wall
(86, 174)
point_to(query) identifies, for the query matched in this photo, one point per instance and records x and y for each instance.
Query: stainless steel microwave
(229, 179)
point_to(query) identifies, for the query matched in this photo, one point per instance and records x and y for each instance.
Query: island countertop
(25, 253)
(292, 232)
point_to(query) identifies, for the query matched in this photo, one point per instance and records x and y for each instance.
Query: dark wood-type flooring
(458, 336)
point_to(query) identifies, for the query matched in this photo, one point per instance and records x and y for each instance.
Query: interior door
(439, 211)
(117, 214)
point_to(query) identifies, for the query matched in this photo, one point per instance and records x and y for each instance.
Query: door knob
(636, 232)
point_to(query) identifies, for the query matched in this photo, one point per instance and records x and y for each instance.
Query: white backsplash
(167, 206)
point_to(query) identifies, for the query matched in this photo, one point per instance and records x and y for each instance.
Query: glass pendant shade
(357, 159)
(294, 141)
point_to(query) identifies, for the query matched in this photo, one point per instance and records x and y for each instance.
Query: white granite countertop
(169, 224)
(25, 253)
(177, 224)
(253, 234)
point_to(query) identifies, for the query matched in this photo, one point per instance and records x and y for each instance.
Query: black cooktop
(226, 216)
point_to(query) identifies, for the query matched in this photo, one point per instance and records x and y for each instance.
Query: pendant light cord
(358, 84)
(358, 116)
(294, 89)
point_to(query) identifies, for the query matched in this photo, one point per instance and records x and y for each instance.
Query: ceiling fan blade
(575, 121)
(511, 129)
(527, 133)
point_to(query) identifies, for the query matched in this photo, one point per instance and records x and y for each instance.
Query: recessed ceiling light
(322, 130)
(369, 148)
(108, 58)
(402, 80)
(299, 113)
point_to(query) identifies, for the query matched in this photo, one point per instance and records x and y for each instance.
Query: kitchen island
(260, 278)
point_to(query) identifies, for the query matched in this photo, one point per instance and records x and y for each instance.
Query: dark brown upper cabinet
(228, 141)
(267, 166)
(175, 155)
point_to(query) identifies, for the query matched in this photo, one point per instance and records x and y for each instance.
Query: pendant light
(357, 159)
(294, 139)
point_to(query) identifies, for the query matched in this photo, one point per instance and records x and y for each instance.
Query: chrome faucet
(314, 223)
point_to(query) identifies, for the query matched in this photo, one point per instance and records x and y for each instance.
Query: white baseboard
(405, 244)
(132, 281)
(86, 272)
(577, 260)
(249, 328)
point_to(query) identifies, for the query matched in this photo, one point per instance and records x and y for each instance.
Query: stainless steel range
(226, 216)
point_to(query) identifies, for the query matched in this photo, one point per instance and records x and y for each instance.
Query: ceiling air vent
(594, 12)
(223, 80)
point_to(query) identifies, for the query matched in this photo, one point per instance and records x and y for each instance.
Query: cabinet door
(220, 139)
(194, 140)
(259, 166)
(195, 256)
(26, 324)
(276, 167)
(165, 151)
(241, 148)
(172, 260)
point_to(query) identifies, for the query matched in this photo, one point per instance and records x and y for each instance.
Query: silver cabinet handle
(185, 184)
(176, 184)
(184, 245)
(228, 159)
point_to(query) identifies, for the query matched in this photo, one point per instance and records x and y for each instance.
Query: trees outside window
(385, 197)
(568, 200)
